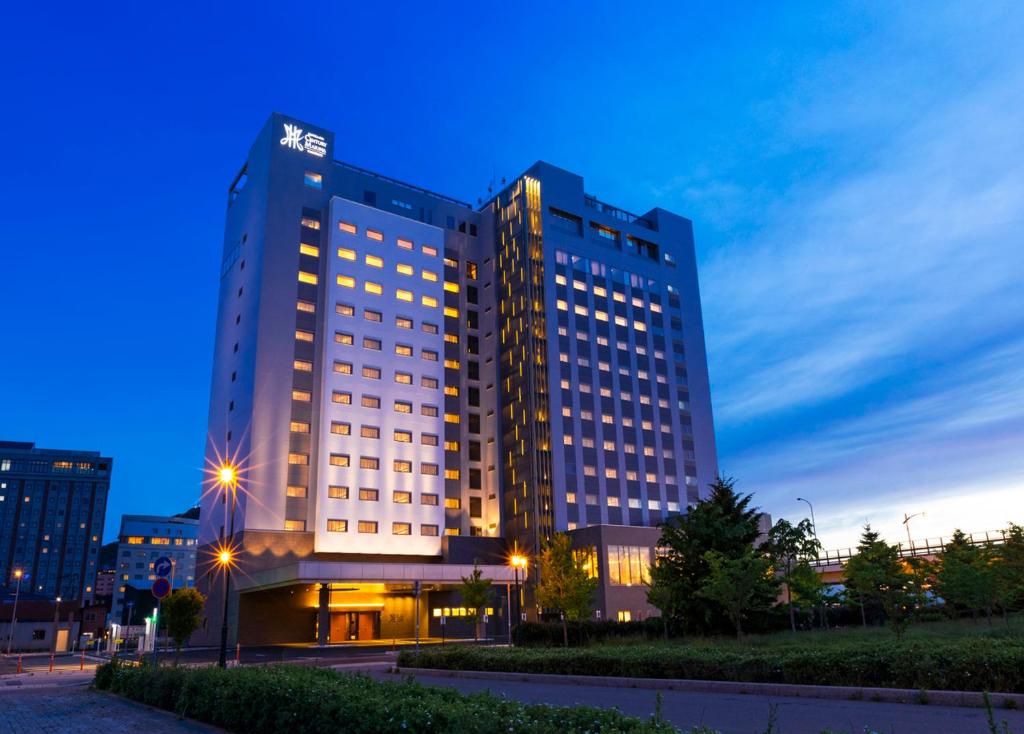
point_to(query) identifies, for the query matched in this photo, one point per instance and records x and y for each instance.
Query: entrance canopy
(325, 572)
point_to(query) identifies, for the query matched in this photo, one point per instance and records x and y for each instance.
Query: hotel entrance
(355, 625)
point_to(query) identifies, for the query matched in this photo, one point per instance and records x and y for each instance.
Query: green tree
(564, 584)
(182, 614)
(476, 592)
(791, 548)
(739, 585)
(725, 523)
(967, 576)
(1009, 569)
(878, 574)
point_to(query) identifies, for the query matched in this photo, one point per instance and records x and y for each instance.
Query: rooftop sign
(304, 142)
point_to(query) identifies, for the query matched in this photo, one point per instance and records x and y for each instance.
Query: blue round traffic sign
(162, 566)
(161, 588)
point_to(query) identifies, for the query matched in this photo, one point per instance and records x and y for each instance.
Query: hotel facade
(410, 386)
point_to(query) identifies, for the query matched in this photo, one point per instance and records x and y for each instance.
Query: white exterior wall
(384, 511)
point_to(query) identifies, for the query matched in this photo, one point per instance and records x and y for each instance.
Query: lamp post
(518, 561)
(227, 476)
(814, 525)
(18, 573)
(56, 623)
(906, 523)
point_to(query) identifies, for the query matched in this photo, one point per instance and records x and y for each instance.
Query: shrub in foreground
(967, 665)
(305, 700)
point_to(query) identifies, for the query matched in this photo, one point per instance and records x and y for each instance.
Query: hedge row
(305, 700)
(967, 665)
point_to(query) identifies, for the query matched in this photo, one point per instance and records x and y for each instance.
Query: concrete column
(323, 615)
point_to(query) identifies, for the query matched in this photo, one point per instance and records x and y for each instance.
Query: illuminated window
(611, 473)
(401, 528)
(375, 235)
(346, 281)
(303, 396)
(431, 276)
(452, 503)
(628, 565)
(370, 401)
(470, 269)
(337, 526)
(340, 460)
(403, 406)
(371, 373)
(451, 364)
(451, 474)
(428, 354)
(298, 427)
(367, 526)
(371, 315)
(305, 306)
(305, 277)
(429, 410)
(136, 540)
(404, 244)
(428, 382)
(341, 429)
(369, 462)
(562, 305)
(303, 336)
(428, 530)
(451, 312)
(310, 222)
(402, 467)
(371, 343)
(451, 287)
(428, 301)
(403, 295)
(403, 350)
(369, 431)
(295, 526)
(302, 365)
(374, 288)
(580, 310)
(346, 227)
(451, 338)
(428, 469)
(311, 250)
(401, 497)
(403, 436)
(344, 309)
(313, 180)
(613, 501)
(452, 390)
(451, 417)
(428, 499)
(405, 269)
(428, 250)
(341, 337)
(403, 378)
(343, 368)
(337, 492)
(342, 398)
(298, 459)
(374, 262)
(429, 328)
(295, 490)
(346, 254)
(451, 263)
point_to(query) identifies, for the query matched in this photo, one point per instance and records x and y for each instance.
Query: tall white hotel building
(410, 386)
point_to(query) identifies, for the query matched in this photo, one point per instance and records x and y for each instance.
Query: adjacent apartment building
(141, 541)
(409, 384)
(52, 506)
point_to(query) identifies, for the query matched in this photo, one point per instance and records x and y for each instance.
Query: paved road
(41, 663)
(81, 711)
(745, 714)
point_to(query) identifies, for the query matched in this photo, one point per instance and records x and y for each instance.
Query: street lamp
(518, 561)
(227, 476)
(814, 525)
(18, 573)
(906, 523)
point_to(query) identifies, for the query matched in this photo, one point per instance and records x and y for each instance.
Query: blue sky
(855, 173)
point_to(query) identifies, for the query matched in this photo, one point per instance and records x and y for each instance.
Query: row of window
(401, 466)
(378, 236)
(375, 261)
(370, 527)
(374, 344)
(633, 503)
(369, 494)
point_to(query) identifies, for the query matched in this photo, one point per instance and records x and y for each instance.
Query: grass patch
(303, 701)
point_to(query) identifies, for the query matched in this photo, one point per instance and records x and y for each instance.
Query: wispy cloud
(866, 335)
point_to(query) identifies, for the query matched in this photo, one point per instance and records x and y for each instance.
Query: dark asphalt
(747, 714)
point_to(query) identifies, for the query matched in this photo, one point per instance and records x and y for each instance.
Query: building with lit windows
(407, 385)
(141, 541)
(52, 507)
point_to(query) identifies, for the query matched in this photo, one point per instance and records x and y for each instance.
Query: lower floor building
(281, 592)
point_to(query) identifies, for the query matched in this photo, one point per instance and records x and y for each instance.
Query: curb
(972, 699)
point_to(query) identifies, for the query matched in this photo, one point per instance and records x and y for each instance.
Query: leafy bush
(966, 665)
(268, 700)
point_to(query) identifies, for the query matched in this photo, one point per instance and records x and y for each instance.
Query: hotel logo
(311, 143)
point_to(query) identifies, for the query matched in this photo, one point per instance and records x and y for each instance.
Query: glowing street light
(18, 573)
(227, 475)
(518, 561)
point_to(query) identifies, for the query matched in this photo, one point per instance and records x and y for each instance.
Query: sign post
(162, 567)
